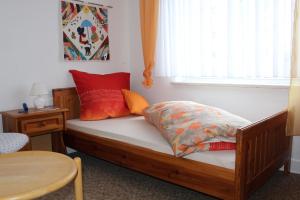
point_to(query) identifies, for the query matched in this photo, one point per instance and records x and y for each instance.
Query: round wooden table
(32, 174)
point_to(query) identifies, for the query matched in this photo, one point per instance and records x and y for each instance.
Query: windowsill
(249, 83)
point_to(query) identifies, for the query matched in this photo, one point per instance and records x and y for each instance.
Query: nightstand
(38, 122)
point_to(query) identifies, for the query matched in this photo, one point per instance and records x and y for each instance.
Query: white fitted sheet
(135, 130)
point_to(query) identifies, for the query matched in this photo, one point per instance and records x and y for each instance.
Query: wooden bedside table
(38, 122)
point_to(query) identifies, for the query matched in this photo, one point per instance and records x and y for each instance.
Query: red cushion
(100, 95)
(218, 146)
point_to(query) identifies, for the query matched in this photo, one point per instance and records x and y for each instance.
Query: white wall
(31, 48)
(31, 51)
(251, 103)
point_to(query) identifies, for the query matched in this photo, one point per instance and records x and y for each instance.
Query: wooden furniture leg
(58, 143)
(27, 147)
(287, 164)
(287, 167)
(78, 180)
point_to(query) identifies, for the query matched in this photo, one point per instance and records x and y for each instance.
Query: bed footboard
(262, 148)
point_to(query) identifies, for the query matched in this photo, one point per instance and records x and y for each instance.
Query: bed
(262, 148)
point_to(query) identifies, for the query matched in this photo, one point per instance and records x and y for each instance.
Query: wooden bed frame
(262, 148)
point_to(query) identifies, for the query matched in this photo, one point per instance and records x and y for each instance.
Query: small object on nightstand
(38, 122)
(39, 90)
(25, 108)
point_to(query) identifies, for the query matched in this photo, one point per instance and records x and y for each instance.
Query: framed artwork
(85, 31)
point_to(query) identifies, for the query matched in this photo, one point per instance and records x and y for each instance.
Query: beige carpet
(105, 181)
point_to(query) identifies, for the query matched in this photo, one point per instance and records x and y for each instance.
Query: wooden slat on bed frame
(262, 148)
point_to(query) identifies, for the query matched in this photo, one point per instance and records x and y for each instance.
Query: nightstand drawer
(39, 125)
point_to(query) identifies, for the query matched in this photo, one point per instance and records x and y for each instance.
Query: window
(225, 39)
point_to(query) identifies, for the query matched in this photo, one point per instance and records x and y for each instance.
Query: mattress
(136, 131)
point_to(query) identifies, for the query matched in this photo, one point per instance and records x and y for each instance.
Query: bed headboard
(67, 98)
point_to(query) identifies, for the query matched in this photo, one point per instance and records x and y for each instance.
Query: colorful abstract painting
(85, 31)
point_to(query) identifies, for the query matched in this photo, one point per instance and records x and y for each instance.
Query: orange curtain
(149, 18)
(293, 124)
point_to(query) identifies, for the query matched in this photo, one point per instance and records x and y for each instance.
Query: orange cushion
(135, 102)
(100, 95)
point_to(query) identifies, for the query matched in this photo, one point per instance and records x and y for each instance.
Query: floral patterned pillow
(189, 126)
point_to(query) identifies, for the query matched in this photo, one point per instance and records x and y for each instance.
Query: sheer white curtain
(224, 39)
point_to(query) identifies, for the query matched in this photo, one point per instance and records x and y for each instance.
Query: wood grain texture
(78, 180)
(202, 177)
(45, 172)
(262, 148)
(67, 98)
